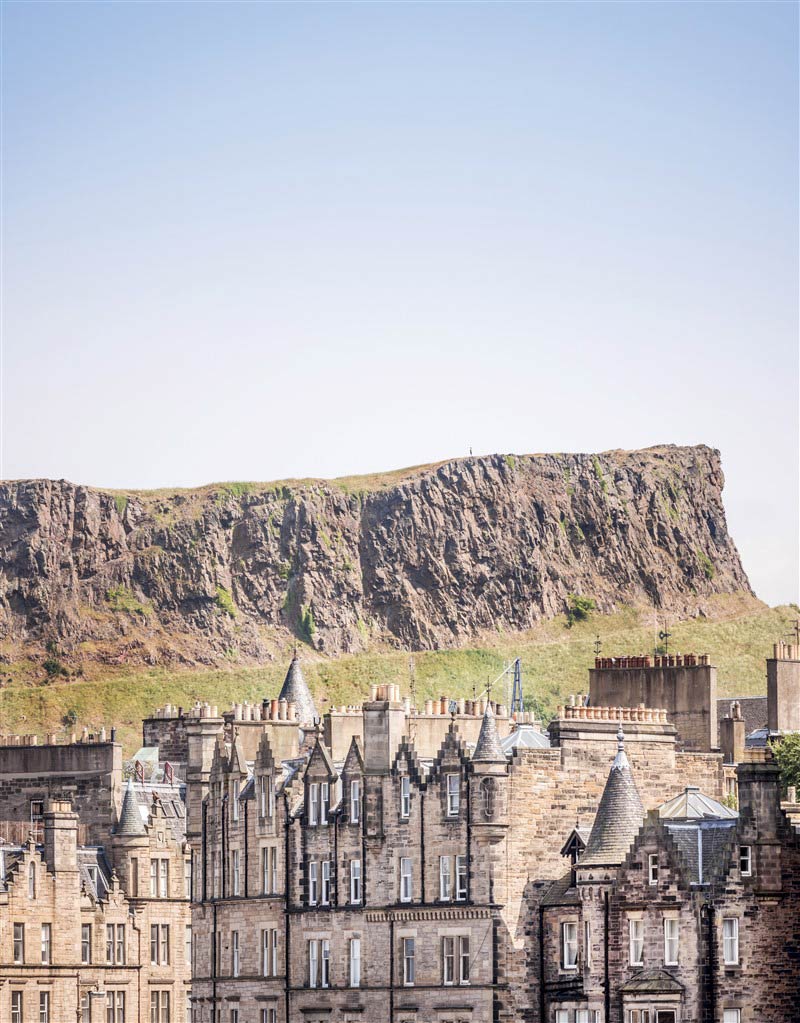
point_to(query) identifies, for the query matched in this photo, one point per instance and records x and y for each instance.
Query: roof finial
(620, 739)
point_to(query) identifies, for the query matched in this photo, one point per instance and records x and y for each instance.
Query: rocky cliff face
(422, 559)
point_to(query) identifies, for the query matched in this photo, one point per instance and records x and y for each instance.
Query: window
(236, 878)
(355, 882)
(463, 959)
(262, 796)
(115, 944)
(187, 878)
(730, 940)
(408, 961)
(581, 1016)
(670, 941)
(325, 963)
(37, 817)
(159, 1007)
(313, 962)
(405, 879)
(214, 874)
(269, 1016)
(187, 944)
(635, 941)
(115, 1007)
(449, 960)
(569, 946)
(313, 883)
(731, 1015)
(324, 802)
(487, 794)
(159, 944)
(273, 868)
(46, 936)
(19, 943)
(86, 1008)
(163, 878)
(587, 944)
(133, 877)
(355, 801)
(453, 794)
(44, 1007)
(86, 943)
(235, 802)
(235, 953)
(266, 879)
(355, 962)
(405, 797)
(444, 878)
(274, 950)
(461, 878)
(652, 868)
(16, 1007)
(31, 880)
(562, 1016)
(313, 803)
(326, 883)
(269, 952)
(234, 1016)
(745, 864)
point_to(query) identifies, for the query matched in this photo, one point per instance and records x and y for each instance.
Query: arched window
(487, 792)
(31, 880)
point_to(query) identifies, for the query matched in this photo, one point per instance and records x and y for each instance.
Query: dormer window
(745, 861)
(262, 796)
(453, 794)
(313, 804)
(355, 801)
(652, 868)
(405, 797)
(235, 802)
(32, 881)
(324, 802)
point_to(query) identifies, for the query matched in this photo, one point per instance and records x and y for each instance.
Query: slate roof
(488, 748)
(130, 819)
(653, 982)
(562, 892)
(619, 815)
(692, 804)
(525, 737)
(754, 711)
(295, 690)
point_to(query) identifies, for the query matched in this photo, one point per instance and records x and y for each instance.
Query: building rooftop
(619, 815)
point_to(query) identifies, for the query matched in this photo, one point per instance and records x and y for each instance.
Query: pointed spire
(295, 690)
(488, 748)
(619, 815)
(130, 820)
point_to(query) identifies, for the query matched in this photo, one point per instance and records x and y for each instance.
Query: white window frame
(448, 960)
(236, 872)
(266, 880)
(16, 1007)
(313, 882)
(355, 801)
(635, 941)
(730, 940)
(325, 963)
(273, 861)
(235, 957)
(461, 879)
(313, 804)
(671, 923)
(652, 868)
(587, 944)
(325, 889)
(409, 961)
(266, 961)
(745, 860)
(562, 1016)
(44, 1007)
(355, 962)
(453, 783)
(235, 802)
(405, 797)
(313, 962)
(324, 802)
(18, 947)
(355, 882)
(581, 1016)
(406, 879)
(274, 950)
(463, 959)
(47, 944)
(731, 1016)
(86, 944)
(569, 945)
(445, 880)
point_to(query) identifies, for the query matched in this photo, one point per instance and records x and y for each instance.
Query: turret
(130, 844)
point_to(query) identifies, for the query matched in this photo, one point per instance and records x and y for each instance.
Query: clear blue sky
(260, 241)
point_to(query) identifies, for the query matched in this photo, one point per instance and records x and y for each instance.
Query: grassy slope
(554, 659)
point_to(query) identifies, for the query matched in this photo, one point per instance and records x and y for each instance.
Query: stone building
(690, 913)
(390, 879)
(95, 920)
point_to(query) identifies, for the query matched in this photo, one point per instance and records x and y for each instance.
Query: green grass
(225, 602)
(120, 598)
(554, 661)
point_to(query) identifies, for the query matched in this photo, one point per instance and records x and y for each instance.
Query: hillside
(555, 659)
(426, 558)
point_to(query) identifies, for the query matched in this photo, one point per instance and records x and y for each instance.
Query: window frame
(409, 947)
(445, 880)
(635, 940)
(355, 882)
(453, 794)
(405, 797)
(728, 940)
(568, 943)
(668, 923)
(355, 801)
(652, 868)
(746, 856)
(406, 879)
(354, 974)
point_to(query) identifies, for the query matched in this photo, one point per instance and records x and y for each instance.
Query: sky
(260, 241)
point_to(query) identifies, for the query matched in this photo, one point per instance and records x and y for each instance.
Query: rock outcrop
(421, 559)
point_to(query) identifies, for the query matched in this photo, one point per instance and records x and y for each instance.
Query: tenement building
(447, 865)
(95, 922)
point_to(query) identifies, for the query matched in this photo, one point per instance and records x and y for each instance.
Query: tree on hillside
(787, 753)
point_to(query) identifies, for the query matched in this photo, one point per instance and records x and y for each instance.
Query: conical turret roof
(619, 815)
(295, 690)
(488, 748)
(130, 820)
